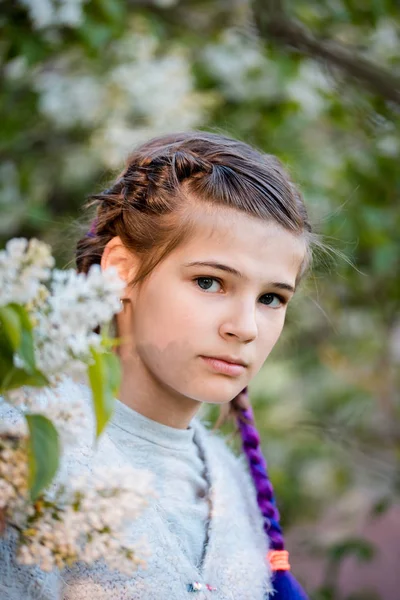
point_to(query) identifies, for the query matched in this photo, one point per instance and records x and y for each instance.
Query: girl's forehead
(250, 241)
(223, 226)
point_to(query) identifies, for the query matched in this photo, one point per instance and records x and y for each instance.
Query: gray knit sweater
(224, 547)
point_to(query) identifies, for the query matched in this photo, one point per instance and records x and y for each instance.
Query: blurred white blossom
(70, 99)
(24, 266)
(389, 145)
(88, 521)
(50, 13)
(308, 87)
(241, 67)
(141, 93)
(384, 40)
(16, 68)
(69, 415)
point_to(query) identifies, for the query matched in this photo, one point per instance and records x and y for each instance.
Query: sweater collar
(134, 423)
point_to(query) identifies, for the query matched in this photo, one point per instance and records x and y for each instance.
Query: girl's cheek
(272, 334)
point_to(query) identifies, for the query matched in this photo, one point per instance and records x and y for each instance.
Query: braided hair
(286, 587)
(147, 207)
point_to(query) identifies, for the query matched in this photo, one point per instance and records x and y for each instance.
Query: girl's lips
(222, 366)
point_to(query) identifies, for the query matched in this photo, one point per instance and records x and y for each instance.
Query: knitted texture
(234, 560)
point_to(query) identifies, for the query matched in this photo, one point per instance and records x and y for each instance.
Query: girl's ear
(117, 255)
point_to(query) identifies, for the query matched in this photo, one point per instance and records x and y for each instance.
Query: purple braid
(258, 469)
(286, 587)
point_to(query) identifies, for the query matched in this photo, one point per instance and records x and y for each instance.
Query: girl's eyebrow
(232, 271)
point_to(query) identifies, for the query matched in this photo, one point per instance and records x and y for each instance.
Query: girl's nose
(241, 324)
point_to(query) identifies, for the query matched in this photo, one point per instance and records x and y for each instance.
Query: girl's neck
(146, 396)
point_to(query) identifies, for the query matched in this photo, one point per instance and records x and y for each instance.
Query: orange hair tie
(279, 560)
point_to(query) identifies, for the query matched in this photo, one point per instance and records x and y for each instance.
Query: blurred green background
(318, 84)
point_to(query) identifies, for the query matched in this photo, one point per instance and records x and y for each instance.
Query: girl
(212, 239)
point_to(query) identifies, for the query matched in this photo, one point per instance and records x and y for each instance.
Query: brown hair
(147, 205)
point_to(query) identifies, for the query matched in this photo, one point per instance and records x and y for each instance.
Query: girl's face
(223, 293)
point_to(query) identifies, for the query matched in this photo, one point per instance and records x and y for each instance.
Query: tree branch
(272, 22)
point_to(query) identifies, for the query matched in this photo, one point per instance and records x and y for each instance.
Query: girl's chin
(220, 396)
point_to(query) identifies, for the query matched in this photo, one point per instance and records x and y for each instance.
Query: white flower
(85, 516)
(389, 145)
(90, 299)
(65, 317)
(70, 417)
(65, 97)
(47, 13)
(41, 12)
(384, 40)
(143, 93)
(241, 66)
(88, 521)
(308, 87)
(24, 266)
(70, 13)
(13, 470)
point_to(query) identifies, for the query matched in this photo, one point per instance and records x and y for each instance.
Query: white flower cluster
(65, 315)
(13, 472)
(93, 298)
(88, 521)
(309, 87)
(65, 97)
(70, 416)
(244, 70)
(384, 40)
(54, 13)
(64, 324)
(241, 66)
(144, 91)
(84, 517)
(24, 266)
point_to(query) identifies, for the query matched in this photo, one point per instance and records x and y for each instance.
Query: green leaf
(13, 378)
(17, 332)
(11, 324)
(16, 337)
(104, 378)
(114, 372)
(26, 349)
(44, 452)
(112, 10)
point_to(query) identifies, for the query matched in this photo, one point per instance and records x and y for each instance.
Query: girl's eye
(205, 283)
(272, 300)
